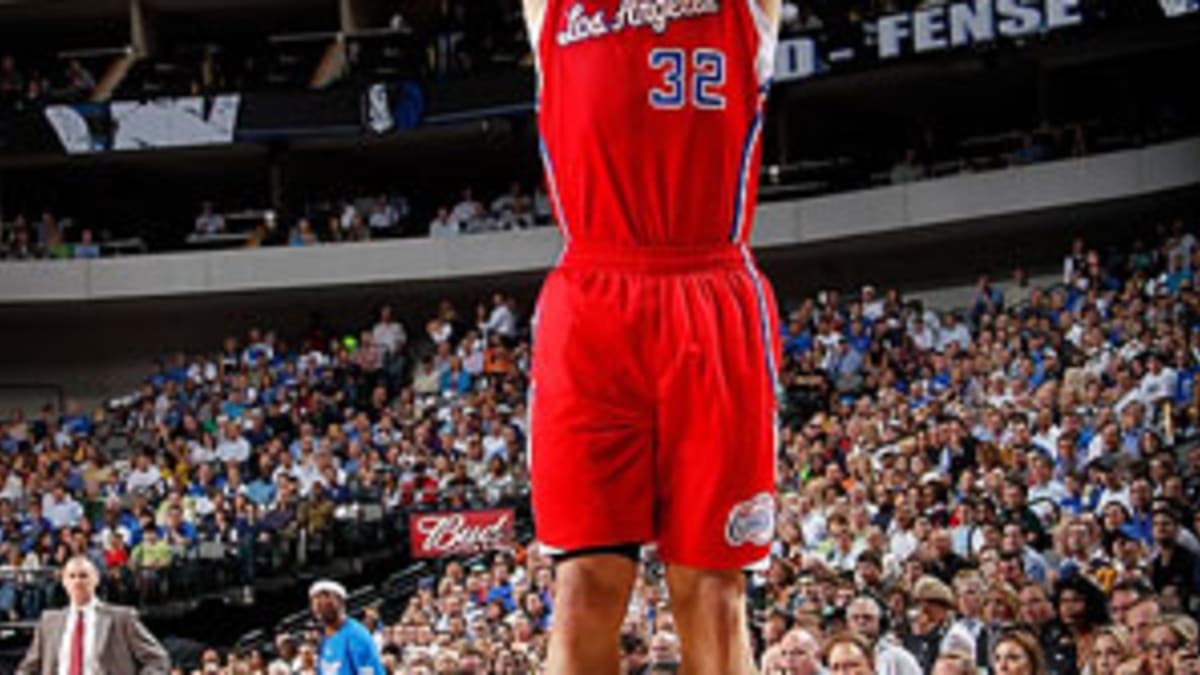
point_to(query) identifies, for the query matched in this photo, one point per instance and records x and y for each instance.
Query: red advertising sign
(438, 535)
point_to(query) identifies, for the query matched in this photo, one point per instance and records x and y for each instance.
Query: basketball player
(653, 392)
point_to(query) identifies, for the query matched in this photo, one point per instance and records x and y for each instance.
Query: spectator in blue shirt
(87, 248)
(347, 647)
(455, 379)
(796, 338)
(180, 533)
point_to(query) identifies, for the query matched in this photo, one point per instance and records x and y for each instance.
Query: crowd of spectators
(47, 237)
(388, 216)
(225, 460)
(950, 479)
(1010, 488)
(516, 209)
(362, 219)
(22, 87)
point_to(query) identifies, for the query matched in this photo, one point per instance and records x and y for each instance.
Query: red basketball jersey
(650, 118)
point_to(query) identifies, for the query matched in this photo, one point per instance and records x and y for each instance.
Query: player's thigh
(591, 438)
(717, 427)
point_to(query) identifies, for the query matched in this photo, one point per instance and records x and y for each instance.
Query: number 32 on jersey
(693, 78)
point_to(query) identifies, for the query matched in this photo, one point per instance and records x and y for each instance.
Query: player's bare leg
(710, 613)
(591, 596)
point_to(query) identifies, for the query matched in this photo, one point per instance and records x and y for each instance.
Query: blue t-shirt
(350, 651)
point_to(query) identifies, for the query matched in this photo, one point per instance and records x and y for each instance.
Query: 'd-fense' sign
(439, 535)
(932, 29)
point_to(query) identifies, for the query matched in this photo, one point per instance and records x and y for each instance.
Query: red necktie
(77, 645)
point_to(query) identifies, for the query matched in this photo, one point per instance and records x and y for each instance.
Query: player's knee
(708, 593)
(587, 595)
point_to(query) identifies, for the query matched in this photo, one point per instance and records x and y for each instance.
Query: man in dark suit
(90, 637)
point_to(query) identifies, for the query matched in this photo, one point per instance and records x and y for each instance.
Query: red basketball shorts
(653, 411)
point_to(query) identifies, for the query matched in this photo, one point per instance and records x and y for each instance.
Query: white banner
(135, 125)
(941, 28)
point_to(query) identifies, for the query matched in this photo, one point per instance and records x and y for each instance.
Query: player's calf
(710, 613)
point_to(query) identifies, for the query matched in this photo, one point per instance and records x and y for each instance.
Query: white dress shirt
(89, 640)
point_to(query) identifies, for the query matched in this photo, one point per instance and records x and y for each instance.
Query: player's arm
(772, 8)
(535, 12)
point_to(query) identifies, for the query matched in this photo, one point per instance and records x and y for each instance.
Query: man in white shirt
(872, 306)
(864, 616)
(90, 637)
(1159, 384)
(388, 333)
(61, 509)
(467, 209)
(233, 446)
(922, 335)
(501, 321)
(11, 487)
(145, 476)
(384, 215)
(443, 226)
(954, 330)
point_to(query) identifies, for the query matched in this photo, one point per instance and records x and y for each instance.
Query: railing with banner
(220, 119)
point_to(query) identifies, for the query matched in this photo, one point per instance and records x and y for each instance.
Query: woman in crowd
(1017, 652)
(1082, 610)
(1171, 649)
(1110, 649)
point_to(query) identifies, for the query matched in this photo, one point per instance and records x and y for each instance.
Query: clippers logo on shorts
(752, 522)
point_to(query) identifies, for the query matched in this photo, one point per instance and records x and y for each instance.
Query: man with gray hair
(798, 653)
(90, 636)
(865, 617)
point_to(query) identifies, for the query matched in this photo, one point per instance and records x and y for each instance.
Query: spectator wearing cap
(935, 604)
(347, 647)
